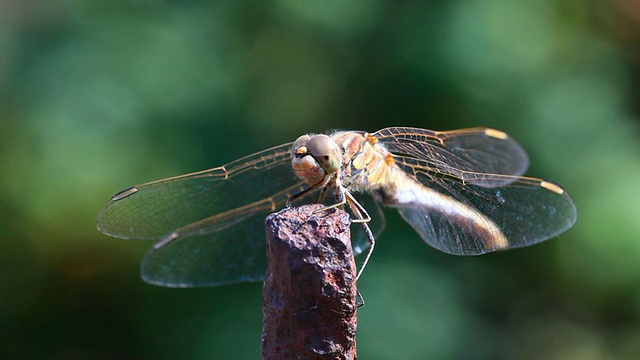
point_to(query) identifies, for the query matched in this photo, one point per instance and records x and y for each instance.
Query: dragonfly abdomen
(426, 205)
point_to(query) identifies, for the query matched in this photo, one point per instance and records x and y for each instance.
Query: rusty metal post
(309, 293)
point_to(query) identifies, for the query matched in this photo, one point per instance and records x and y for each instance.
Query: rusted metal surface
(309, 293)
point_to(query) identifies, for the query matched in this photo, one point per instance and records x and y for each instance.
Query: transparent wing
(481, 150)
(460, 217)
(222, 249)
(209, 224)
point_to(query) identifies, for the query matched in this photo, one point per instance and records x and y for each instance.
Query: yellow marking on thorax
(374, 160)
(365, 157)
(378, 172)
(358, 162)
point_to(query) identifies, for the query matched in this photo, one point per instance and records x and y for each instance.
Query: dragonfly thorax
(315, 158)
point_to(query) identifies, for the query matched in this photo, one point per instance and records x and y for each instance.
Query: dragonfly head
(315, 158)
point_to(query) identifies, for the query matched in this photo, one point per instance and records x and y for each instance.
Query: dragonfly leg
(360, 299)
(363, 218)
(323, 192)
(340, 196)
(298, 195)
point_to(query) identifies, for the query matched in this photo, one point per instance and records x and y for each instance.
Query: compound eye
(326, 152)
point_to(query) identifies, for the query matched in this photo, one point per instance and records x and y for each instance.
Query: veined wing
(478, 150)
(226, 248)
(152, 210)
(210, 224)
(463, 218)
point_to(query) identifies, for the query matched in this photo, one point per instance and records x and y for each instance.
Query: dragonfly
(462, 191)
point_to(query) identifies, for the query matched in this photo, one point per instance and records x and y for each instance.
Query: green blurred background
(100, 95)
